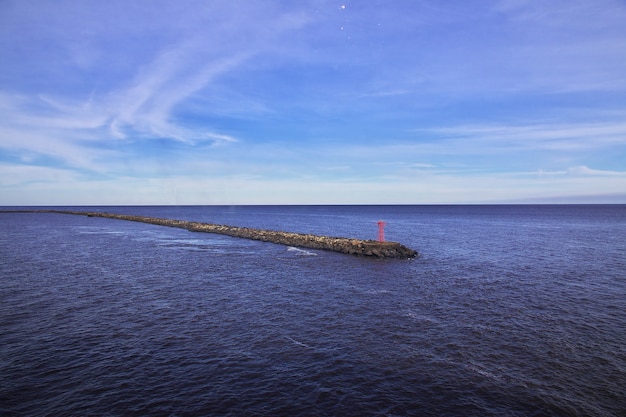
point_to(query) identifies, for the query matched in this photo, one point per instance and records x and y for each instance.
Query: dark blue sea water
(509, 311)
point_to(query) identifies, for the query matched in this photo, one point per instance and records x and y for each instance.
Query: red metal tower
(381, 231)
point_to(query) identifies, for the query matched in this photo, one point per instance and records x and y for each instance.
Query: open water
(509, 311)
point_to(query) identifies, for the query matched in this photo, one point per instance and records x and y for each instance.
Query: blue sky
(312, 102)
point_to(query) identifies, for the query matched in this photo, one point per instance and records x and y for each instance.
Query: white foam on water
(301, 252)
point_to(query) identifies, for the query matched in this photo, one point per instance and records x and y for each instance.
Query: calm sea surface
(509, 311)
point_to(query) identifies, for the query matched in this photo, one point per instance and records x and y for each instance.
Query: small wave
(481, 370)
(376, 292)
(99, 231)
(420, 317)
(298, 343)
(301, 252)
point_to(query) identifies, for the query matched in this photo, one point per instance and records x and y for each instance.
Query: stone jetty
(368, 248)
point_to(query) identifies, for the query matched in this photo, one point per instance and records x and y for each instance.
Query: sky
(312, 102)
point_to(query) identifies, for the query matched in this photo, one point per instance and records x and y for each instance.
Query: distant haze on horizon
(312, 102)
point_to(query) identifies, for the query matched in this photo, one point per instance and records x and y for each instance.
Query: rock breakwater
(368, 248)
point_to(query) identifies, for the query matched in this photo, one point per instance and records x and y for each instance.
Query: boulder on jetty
(368, 248)
(336, 244)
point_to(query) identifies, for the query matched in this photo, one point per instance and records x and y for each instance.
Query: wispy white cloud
(583, 170)
(532, 136)
(578, 171)
(144, 105)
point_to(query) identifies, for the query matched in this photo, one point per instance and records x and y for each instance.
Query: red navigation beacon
(381, 231)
